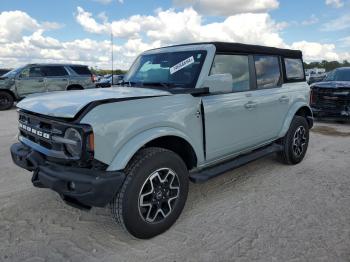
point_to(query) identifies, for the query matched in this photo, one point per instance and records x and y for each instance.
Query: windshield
(13, 72)
(173, 69)
(339, 75)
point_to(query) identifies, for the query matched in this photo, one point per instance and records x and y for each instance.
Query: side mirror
(219, 83)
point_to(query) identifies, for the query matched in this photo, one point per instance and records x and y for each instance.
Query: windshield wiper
(128, 83)
(163, 84)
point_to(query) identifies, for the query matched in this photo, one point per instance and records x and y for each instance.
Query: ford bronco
(182, 113)
(40, 78)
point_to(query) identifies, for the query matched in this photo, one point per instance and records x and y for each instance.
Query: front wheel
(296, 141)
(6, 100)
(153, 194)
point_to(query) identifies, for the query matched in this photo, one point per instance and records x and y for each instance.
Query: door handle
(41, 80)
(64, 79)
(284, 99)
(250, 105)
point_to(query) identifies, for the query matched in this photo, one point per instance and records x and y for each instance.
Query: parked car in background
(186, 112)
(314, 72)
(39, 78)
(4, 71)
(314, 78)
(107, 81)
(315, 75)
(331, 97)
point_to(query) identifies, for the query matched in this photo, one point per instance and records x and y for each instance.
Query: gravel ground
(264, 211)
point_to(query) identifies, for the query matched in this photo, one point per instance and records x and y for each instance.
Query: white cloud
(51, 25)
(340, 23)
(14, 24)
(311, 21)
(335, 3)
(313, 51)
(90, 24)
(169, 27)
(27, 42)
(229, 7)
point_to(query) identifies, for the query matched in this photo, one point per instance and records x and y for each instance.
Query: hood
(331, 84)
(67, 104)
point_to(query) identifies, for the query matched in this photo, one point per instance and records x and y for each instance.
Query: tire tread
(139, 158)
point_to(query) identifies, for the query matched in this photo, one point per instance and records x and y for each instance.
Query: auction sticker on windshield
(181, 65)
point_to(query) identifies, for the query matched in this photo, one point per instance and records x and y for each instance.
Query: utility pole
(112, 56)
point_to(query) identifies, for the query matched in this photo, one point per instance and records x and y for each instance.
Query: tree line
(103, 72)
(328, 65)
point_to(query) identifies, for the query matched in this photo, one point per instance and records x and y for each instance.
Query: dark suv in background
(39, 78)
(331, 97)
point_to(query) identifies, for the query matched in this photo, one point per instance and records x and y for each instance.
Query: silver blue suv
(183, 113)
(40, 78)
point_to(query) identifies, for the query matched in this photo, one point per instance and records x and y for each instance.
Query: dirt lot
(264, 211)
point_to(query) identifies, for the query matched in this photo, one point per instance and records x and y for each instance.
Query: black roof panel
(227, 47)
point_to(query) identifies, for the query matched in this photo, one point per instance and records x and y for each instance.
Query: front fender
(123, 156)
(291, 113)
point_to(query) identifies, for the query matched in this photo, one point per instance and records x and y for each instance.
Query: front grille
(331, 98)
(40, 131)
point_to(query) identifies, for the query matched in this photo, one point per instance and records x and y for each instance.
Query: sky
(79, 31)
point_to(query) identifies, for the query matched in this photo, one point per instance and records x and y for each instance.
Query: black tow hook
(35, 179)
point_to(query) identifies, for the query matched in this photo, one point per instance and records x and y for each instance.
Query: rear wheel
(6, 100)
(75, 87)
(153, 194)
(296, 141)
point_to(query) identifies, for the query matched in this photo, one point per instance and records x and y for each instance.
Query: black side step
(211, 172)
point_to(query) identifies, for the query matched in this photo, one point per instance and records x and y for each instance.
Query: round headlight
(74, 142)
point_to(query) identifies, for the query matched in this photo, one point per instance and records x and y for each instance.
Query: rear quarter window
(294, 69)
(81, 70)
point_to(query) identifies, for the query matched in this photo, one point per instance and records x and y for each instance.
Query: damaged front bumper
(79, 187)
(339, 114)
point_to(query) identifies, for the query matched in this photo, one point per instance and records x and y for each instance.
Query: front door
(230, 123)
(30, 81)
(230, 117)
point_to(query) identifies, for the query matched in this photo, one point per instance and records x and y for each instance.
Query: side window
(235, 65)
(24, 73)
(294, 69)
(31, 72)
(55, 71)
(268, 73)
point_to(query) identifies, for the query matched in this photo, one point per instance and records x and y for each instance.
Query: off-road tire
(125, 206)
(288, 154)
(74, 88)
(6, 100)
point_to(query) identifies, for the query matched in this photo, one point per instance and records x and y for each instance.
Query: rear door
(81, 76)
(30, 80)
(56, 78)
(273, 100)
